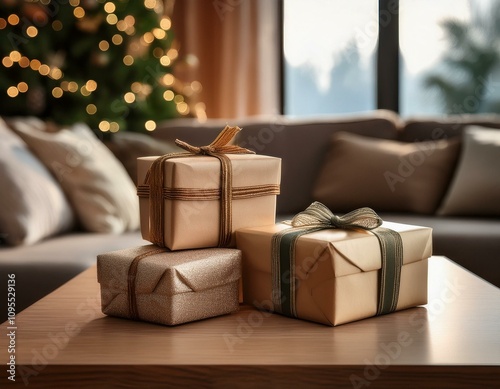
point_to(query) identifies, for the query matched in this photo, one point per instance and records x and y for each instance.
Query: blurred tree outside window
(449, 56)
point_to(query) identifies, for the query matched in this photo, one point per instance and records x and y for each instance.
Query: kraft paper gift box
(336, 271)
(192, 204)
(153, 284)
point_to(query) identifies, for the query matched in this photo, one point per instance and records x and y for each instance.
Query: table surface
(454, 341)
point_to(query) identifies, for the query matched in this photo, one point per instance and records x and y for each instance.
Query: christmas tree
(105, 63)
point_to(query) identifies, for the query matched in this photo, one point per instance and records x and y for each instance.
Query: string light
(57, 92)
(109, 7)
(150, 4)
(148, 38)
(15, 56)
(91, 109)
(182, 108)
(159, 33)
(112, 19)
(7, 62)
(24, 62)
(129, 97)
(13, 20)
(32, 31)
(103, 45)
(130, 20)
(56, 73)
(91, 85)
(22, 87)
(114, 127)
(136, 87)
(104, 125)
(84, 91)
(128, 60)
(35, 64)
(117, 39)
(72, 86)
(12, 91)
(168, 95)
(172, 54)
(168, 79)
(79, 12)
(121, 26)
(44, 70)
(165, 23)
(150, 125)
(165, 61)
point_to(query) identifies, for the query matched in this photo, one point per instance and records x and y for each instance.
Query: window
(330, 49)
(448, 60)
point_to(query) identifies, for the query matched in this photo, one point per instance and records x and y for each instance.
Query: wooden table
(453, 342)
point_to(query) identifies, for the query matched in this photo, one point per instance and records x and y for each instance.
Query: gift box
(193, 210)
(336, 272)
(153, 284)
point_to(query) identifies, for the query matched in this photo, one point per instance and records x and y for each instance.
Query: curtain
(232, 47)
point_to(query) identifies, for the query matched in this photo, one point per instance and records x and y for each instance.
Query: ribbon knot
(207, 150)
(318, 215)
(220, 144)
(336, 221)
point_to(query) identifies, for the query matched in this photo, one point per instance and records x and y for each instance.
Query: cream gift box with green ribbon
(335, 271)
(198, 198)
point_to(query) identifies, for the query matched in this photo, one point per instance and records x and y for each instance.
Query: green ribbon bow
(318, 217)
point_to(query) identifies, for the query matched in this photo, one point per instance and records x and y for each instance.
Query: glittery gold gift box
(336, 271)
(192, 197)
(156, 285)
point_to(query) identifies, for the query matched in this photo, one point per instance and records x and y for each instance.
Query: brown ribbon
(217, 149)
(195, 194)
(132, 275)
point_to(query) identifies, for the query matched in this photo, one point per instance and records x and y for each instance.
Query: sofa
(310, 149)
(471, 238)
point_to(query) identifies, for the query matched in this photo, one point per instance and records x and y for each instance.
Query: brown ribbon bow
(218, 149)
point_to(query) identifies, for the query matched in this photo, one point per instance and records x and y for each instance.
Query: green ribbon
(318, 217)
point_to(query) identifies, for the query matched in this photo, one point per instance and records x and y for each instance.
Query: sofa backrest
(432, 128)
(300, 143)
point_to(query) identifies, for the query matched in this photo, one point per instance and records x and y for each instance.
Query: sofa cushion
(128, 146)
(98, 186)
(33, 205)
(475, 189)
(385, 175)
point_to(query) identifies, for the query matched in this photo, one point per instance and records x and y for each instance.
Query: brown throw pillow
(386, 175)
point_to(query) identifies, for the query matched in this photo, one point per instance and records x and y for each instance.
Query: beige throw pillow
(32, 204)
(100, 190)
(385, 175)
(475, 189)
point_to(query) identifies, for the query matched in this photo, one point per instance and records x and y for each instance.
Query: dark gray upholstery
(44, 266)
